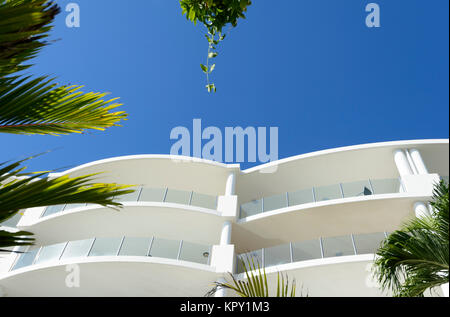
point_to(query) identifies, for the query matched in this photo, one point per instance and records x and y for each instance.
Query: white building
(319, 217)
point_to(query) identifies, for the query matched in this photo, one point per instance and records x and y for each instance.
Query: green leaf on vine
(204, 68)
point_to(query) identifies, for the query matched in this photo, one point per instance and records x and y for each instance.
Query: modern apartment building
(318, 217)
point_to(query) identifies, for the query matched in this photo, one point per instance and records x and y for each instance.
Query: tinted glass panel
(301, 197)
(165, 248)
(77, 249)
(205, 201)
(105, 247)
(25, 259)
(306, 250)
(275, 202)
(135, 246)
(251, 208)
(354, 189)
(277, 255)
(368, 243)
(152, 194)
(328, 192)
(50, 253)
(50, 210)
(193, 252)
(338, 246)
(385, 186)
(178, 196)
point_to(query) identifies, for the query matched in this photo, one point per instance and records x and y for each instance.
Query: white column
(444, 288)
(418, 162)
(421, 210)
(402, 163)
(225, 236)
(231, 183)
(411, 163)
(221, 292)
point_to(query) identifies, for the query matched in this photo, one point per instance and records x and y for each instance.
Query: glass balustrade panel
(254, 257)
(205, 201)
(132, 246)
(275, 202)
(26, 259)
(356, 189)
(50, 253)
(50, 210)
(152, 194)
(385, 186)
(77, 249)
(105, 247)
(193, 252)
(178, 196)
(306, 250)
(328, 192)
(164, 248)
(277, 255)
(301, 197)
(338, 246)
(368, 243)
(251, 208)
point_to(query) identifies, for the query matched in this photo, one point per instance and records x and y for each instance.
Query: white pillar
(421, 209)
(444, 288)
(221, 292)
(411, 163)
(230, 186)
(402, 163)
(225, 236)
(418, 162)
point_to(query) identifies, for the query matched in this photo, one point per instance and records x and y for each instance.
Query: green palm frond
(255, 283)
(416, 258)
(37, 106)
(17, 238)
(24, 26)
(20, 190)
(40, 106)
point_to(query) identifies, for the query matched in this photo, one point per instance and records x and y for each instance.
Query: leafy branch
(215, 15)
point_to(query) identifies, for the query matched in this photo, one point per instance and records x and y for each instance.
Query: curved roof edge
(188, 159)
(175, 158)
(400, 144)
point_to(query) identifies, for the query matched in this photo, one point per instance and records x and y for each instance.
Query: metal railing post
(354, 245)
(179, 250)
(150, 246)
(321, 247)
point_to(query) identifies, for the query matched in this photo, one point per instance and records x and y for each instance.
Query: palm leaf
(20, 190)
(415, 258)
(255, 283)
(39, 106)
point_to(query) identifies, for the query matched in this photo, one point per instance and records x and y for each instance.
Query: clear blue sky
(310, 67)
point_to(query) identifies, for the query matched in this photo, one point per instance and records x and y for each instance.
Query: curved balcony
(321, 248)
(124, 246)
(323, 193)
(157, 211)
(126, 266)
(147, 194)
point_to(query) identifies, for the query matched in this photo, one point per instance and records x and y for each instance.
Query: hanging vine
(215, 15)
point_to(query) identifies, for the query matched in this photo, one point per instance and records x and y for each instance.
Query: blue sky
(311, 68)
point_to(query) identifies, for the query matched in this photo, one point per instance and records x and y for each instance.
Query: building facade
(318, 217)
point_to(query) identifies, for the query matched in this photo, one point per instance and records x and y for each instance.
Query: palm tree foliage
(255, 283)
(416, 258)
(20, 190)
(38, 105)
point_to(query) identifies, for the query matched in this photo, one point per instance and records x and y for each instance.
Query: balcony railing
(313, 249)
(146, 194)
(317, 194)
(124, 246)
